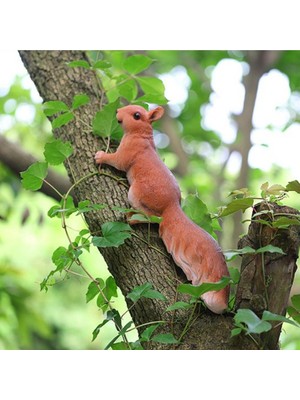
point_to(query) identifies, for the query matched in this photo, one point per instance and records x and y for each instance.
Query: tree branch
(17, 160)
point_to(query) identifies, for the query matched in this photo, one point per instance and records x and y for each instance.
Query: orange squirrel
(154, 190)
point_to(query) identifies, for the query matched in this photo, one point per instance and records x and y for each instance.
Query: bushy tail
(196, 253)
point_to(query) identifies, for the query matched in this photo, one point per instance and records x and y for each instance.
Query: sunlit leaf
(33, 177)
(62, 120)
(93, 289)
(101, 64)
(54, 107)
(80, 100)
(137, 63)
(293, 186)
(197, 211)
(79, 63)
(57, 151)
(236, 205)
(105, 122)
(61, 257)
(128, 90)
(296, 301)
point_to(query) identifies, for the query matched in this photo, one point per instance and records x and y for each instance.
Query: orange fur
(154, 190)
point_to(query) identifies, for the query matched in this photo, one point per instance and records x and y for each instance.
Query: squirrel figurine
(154, 190)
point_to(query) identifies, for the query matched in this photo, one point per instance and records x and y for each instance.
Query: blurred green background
(203, 138)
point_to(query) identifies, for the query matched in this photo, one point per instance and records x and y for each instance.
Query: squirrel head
(136, 118)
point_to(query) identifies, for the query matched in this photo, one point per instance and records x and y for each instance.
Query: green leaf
(154, 294)
(111, 288)
(284, 222)
(105, 122)
(295, 314)
(61, 258)
(296, 301)
(93, 289)
(269, 249)
(197, 211)
(236, 205)
(79, 63)
(231, 254)
(102, 302)
(121, 333)
(166, 338)
(68, 208)
(85, 206)
(236, 331)
(275, 190)
(101, 64)
(33, 177)
(145, 290)
(153, 98)
(179, 305)
(63, 119)
(234, 275)
(138, 291)
(151, 86)
(128, 90)
(293, 186)
(119, 346)
(111, 315)
(197, 291)
(252, 321)
(148, 332)
(137, 63)
(54, 107)
(80, 100)
(144, 217)
(57, 151)
(268, 316)
(114, 234)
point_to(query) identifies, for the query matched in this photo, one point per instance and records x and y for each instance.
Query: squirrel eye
(137, 115)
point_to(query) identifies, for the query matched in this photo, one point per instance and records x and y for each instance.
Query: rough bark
(266, 279)
(135, 262)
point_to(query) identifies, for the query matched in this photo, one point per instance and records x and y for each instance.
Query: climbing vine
(120, 83)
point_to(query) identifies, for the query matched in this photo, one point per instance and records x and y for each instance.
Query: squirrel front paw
(99, 156)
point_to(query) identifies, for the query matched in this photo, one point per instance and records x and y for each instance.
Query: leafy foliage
(33, 177)
(120, 80)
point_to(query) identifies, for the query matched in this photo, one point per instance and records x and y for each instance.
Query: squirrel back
(154, 190)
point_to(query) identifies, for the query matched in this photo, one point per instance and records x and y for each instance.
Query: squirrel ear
(156, 114)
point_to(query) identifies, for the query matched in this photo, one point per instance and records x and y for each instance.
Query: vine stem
(147, 323)
(188, 323)
(78, 262)
(54, 188)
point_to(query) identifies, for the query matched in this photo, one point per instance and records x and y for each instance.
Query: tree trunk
(259, 63)
(267, 278)
(135, 262)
